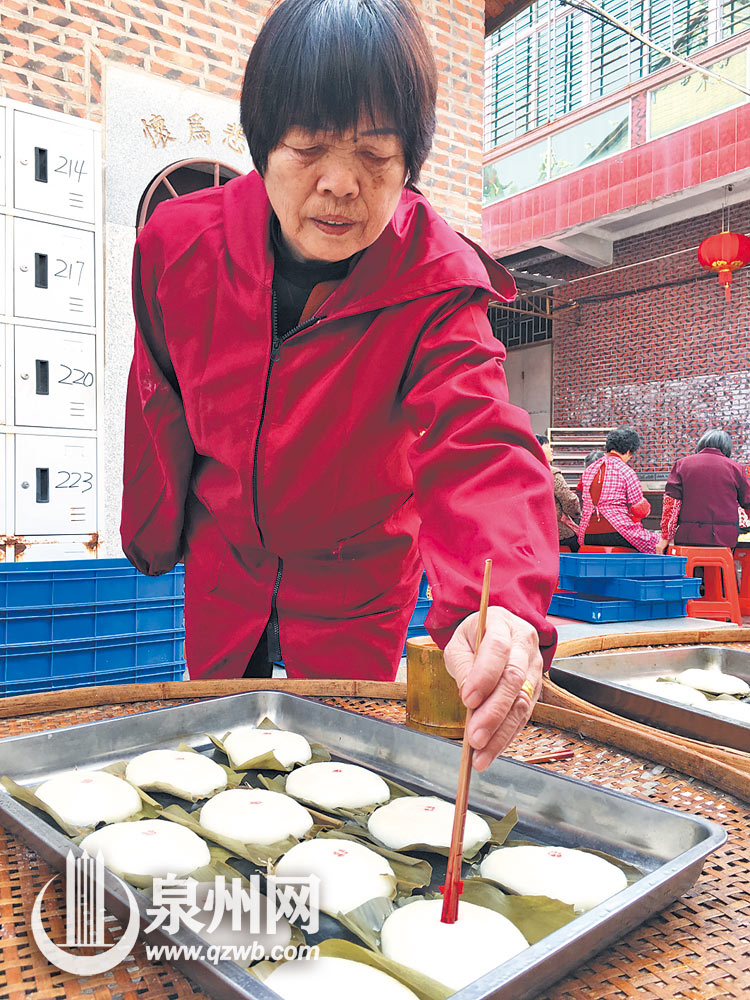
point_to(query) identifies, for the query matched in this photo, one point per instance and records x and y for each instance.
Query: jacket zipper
(273, 634)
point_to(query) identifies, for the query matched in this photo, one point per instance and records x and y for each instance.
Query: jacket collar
(416, 254)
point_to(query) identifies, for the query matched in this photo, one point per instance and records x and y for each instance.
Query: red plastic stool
(721, 600)
(605, 548)
(742, 556)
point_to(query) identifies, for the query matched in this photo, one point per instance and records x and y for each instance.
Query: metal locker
(39, 549)
(5, 472)
(3, 335)
(55, 378)
(3, 158)
(54, 167)
(56, 485)
(53, 273)
(4, 292)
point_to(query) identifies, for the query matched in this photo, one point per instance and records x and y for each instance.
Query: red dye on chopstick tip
(453, 885)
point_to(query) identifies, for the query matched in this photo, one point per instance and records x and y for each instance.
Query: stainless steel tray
(600, 677)
(668, 846)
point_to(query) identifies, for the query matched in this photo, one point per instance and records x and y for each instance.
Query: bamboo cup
(432, 701)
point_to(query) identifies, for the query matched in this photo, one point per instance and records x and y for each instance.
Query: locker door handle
(42, 378)
(42, 485)
(40, 270)
(40, 165)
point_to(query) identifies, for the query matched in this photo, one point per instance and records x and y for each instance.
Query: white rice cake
(86, 798)
(149, 847)
(255, 816)
(181, 772)
(576, 877)
(424, 819)
(250, 928)
(731, 708)
(350, 874)
(332, 785)
(328, 978)
(669, 691)
(713, 681)
(453, 954)
(248, 743)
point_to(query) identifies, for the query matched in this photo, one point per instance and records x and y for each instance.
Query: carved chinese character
(198, 130)
(234, 138)
(156, 130)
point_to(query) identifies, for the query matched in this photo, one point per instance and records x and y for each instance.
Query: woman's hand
(494, 686)
(662, 545)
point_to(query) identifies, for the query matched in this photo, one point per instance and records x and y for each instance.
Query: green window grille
(735, 17)
(680, 26)
(552, 59)
(616, 59)
(568, 63)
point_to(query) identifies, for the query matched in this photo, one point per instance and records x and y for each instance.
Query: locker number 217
(66, 269)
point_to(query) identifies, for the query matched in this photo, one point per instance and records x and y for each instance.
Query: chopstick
(545, 758)
(453, 885)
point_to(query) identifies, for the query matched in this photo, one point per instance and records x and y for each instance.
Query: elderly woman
(567, 504)
(703, 494)
(317, 407)
(613, 500)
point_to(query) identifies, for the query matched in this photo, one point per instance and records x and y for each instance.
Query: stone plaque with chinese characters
(151, 124)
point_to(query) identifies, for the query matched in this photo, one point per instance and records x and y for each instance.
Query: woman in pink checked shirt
(613, 500)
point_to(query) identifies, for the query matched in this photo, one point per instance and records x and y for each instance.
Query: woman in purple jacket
(703, 494)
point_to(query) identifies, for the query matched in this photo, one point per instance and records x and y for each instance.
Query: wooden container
(432, 701)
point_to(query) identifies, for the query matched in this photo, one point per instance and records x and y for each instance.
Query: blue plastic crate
(65, 622)
(664, 589)
(621, 564)
(595, 608)
(152, 673)
(56, 662)
(83, 581)
(421, 611)
(425, 591)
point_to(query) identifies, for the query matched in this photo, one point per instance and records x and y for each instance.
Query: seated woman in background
(594, 455)
(703, 494)
(567, 503)
(613, 500)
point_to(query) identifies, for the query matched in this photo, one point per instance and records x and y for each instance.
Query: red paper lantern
(725, 253)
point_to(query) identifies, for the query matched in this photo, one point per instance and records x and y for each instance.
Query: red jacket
(309, 469)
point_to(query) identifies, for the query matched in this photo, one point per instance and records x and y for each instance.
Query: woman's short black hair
(623, 439)
(319, 64)
(542, 439)
(716, 438)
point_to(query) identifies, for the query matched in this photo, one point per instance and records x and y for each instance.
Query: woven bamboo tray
(694, 950)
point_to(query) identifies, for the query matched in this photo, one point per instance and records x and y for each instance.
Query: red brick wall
(51, 54)
(670, 362)
(453, 175)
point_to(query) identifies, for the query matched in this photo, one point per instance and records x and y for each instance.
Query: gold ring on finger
(528, 688)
